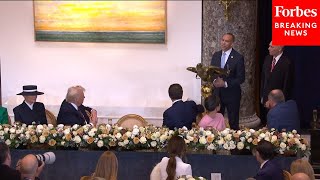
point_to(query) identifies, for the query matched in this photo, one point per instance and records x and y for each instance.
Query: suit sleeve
(239, 74)
(262, 79)
(43, 117)
(272, 121)
(165, 119)
(288, 81)
(17, 117)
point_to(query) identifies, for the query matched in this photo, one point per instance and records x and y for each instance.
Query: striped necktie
(223, 59)
(273, 64)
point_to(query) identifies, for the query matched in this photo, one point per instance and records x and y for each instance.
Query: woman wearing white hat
(30, 111)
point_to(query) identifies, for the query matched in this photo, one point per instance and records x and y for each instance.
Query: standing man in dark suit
(180, 113)
(70, 111)
(30, 110)
(268, 169)
(282, 114)
(277, 73)
(228, 87)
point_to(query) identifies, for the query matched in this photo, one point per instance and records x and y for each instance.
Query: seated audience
(300, 176)
(282, 115)
(172, 167)
(213, 118)
(107, 167)
(302, 166)
(30, 110)
(180, 113)
(7, 173)
(28, 167)
(72, 111)
(4, 117)
(268, 169)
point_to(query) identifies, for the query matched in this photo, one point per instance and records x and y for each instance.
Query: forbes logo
(297, 12)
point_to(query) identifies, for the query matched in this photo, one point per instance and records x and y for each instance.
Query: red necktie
(273, 64)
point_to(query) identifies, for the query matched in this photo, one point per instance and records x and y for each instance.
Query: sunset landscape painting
(100, 21)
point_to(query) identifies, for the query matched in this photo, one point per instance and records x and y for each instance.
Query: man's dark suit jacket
(69, 115)
(24, 114)
(269, 171)
(6, 173)
(180, 114)
(284, 116)
(280, 78)
(230, 96)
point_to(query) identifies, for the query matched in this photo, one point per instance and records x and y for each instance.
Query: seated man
(268, 169)
(300, 176)
(180, 113)
(71, 110)
(30, 110)
(6, 173)
(282, 115)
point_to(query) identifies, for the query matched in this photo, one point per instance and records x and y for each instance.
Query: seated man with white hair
(300, 176)
(72, 111)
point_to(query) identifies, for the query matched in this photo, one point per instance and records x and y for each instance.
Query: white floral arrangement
(106, 136)
(189, 177)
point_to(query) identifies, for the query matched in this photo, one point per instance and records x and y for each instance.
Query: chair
(286, 175)
(51, 119)
(129, 120)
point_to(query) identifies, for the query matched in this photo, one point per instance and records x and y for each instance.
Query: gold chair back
(129, 120)
(51, 119)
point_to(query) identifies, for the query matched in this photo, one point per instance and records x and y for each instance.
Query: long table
(72, 165)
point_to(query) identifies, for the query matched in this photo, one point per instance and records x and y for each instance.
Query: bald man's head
(300, 176)
(29, 165)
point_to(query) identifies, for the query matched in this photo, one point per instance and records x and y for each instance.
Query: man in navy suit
(6, 172)
(180, 113)
(268, 169)
(30, 110)
(72, 111)
(277, 73)
(228, 87)
(282, 115)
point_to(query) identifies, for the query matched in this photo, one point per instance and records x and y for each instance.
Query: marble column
(242, 23)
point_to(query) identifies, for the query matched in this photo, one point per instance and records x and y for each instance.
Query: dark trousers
(233, 113)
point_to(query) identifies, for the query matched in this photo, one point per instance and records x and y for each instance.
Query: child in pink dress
(213, 118)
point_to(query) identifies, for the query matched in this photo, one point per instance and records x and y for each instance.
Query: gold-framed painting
(100, 21)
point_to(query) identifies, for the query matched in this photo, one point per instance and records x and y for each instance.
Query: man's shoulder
(39, 104)
(236, 53)
(19, 107)
(9, 173)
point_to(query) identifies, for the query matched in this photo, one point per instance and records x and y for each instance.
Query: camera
(47, 158)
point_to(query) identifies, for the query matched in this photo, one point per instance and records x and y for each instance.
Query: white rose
(249, 140)
(6, 130)
(157, 134)
(12, 130)
(121, 144)
(208, 133)
(242, 139)
(1, 133)
(77, 139)
(240, 145)
(153, 136)
(66, 131)
(191, 132)
(143, 140)
(171, 132)
(91, 133)
(60, 126)
(128, 133)
(303, 147)
(190, 138)
(262, 136)
(283, 145)
(267, 138)
(228, 137)
(39, 127)
(211, 147)
(153, 143)
(100, 143)
(142, 129)
(239, 132)
(50, 126)
(85, 137)
(42, 139)
(186, 141)
(232, 146)
(252, 131)
(135, 127)
(126, 142)
(8, 142)
(163, 138)
(18, 131)
(284, 134)
(274, 138)
(118, 135)
(226, 146)
(12, 136)
(135, 131)
(290, 135)
(221, 141)
(202, 140)
(27, 136)
(0, 127)
(62, 143)
(75, 126)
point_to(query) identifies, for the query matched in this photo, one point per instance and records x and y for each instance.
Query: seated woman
(213, 118)
(302, 166)
(107, 167)
(172, 167)
(4, 117)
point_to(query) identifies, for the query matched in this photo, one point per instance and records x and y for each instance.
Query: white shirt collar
(278, 57)
(30, 105)
(227, 53)
(74, 105)
(262, 164)
(176, 100)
